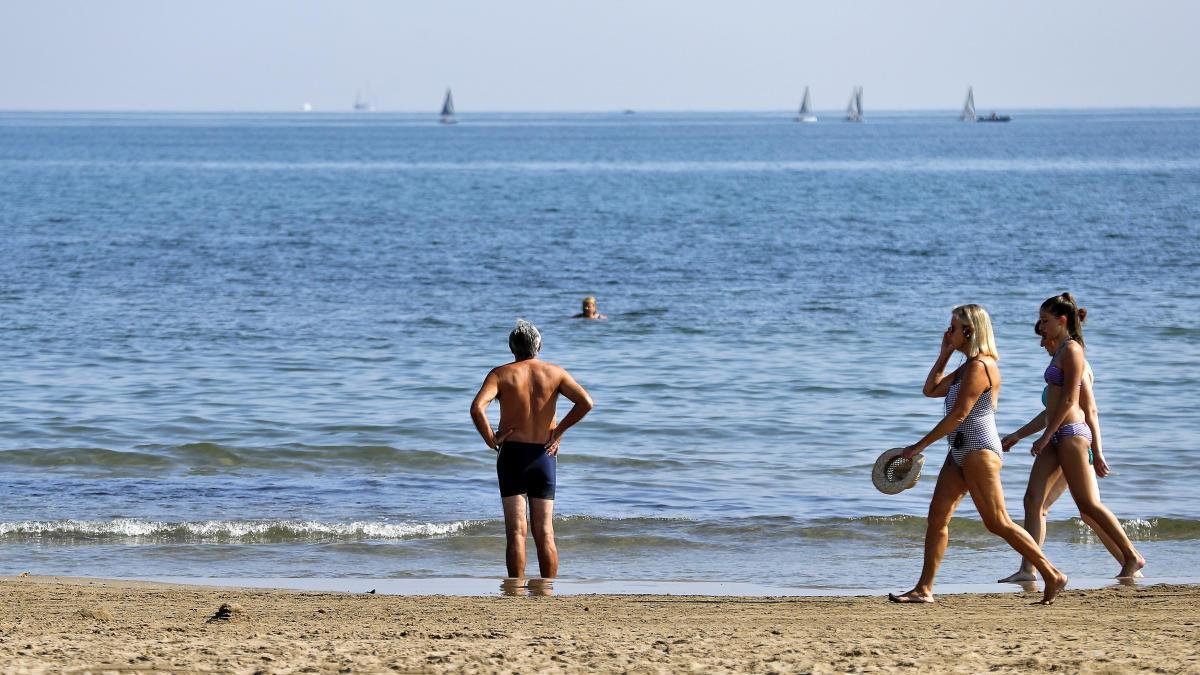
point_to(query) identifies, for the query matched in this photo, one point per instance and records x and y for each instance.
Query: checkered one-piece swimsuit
(978, 430)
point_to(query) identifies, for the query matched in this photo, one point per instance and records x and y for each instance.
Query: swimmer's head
(589, 305)
(525, 341)
(1061, 310)
(973, 327)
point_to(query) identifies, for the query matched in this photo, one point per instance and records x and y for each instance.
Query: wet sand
(53, 624)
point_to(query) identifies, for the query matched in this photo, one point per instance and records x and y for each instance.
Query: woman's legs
(1072, 453)
(947, 494)
(1046, 485)
(981, 469)
(1113, 548)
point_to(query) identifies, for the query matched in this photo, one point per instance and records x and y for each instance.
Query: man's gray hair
(525, 341)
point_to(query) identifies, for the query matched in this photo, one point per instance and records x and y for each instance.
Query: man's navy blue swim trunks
(525, 469)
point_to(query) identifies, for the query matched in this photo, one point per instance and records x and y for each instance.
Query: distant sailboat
(854, 111)
(448, 110)
(806, 114)
(363, 103)
(968, 111)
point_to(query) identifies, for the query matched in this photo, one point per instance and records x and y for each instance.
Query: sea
(245, 345)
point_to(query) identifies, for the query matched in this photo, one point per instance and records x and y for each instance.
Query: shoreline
(496, 586)
(52, 623)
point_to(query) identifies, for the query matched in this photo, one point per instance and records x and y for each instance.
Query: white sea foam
(232, 529)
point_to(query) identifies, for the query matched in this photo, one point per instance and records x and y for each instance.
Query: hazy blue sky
(603, 55)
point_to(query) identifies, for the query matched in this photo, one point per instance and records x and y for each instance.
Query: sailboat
(363, 103)
(806, 114)
(968, 111)
(854, 111)
(448, 109)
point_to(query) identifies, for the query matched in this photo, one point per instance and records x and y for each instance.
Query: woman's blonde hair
(978, 325)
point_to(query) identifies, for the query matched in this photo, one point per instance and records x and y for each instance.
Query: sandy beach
(52, 624)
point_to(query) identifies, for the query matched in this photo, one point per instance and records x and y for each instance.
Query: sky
(577, 55)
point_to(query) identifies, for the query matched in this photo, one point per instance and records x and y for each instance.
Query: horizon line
(577, 111)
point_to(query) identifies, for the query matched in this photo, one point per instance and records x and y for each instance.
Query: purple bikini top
(1054, 374)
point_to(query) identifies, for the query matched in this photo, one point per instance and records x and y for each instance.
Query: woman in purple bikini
(1067, 441)
(1046, 481)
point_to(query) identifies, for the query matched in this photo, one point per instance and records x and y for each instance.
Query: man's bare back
(528, 392)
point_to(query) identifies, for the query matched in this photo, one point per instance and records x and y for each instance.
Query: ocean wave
(764, 529)
(580, 531)
(202, 456)
(81, 457)
(236, 531)
(1180, 331)
(925, 165)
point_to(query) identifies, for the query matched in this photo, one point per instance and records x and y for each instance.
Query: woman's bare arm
(937, 383)
(1091, 415)
(1031, 427)
(974, 382)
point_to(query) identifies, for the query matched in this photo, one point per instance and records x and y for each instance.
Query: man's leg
(515, 528)
(542, 517)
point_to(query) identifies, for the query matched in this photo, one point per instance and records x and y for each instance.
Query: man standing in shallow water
(527, 447)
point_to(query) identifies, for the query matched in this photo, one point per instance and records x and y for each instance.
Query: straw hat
(893, 474)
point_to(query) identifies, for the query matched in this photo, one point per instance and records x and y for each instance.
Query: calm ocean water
(245, 345)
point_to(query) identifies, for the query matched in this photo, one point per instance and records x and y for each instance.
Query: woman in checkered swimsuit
(978, 430)
(973, 463)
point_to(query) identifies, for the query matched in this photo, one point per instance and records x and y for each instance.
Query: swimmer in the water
(1066, 432)
(527, 446)
(588, 310)
(973, 464)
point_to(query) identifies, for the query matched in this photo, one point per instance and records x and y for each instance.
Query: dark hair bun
(1082, 313)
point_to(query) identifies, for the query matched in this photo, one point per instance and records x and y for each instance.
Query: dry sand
(82, 625)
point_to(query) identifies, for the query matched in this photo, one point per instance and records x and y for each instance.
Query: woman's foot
(1018, 577)
(912, 597)
(1132, 568)
(1054, 586)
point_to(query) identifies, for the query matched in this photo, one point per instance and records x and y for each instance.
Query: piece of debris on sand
(97, 613)
(228, 612)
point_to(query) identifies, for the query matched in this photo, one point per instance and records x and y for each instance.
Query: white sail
(363, 103)
(854, 108)
(968, 111)
(448, 109)
(806, 114)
